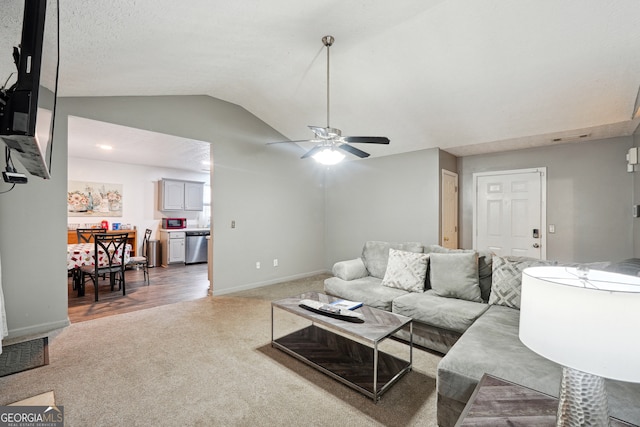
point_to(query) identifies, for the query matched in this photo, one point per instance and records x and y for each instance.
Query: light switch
(552, 228)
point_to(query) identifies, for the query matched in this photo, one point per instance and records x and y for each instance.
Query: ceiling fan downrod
(329, 141)
(328, 41)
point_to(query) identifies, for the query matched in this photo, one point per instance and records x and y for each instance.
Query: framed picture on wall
(94, 199)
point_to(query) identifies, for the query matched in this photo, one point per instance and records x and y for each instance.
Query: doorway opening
(449, 207)
(135, 160)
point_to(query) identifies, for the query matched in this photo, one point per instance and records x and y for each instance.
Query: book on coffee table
(346, 304)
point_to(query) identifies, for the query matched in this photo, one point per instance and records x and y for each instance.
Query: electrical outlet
(258, 265)
(275, 262)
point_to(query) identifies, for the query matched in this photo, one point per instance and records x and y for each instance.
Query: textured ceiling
(466, 76)
(135, 146)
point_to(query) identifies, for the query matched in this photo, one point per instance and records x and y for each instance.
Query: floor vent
(24, 355)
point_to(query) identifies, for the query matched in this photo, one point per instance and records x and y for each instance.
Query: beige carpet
(209, 362)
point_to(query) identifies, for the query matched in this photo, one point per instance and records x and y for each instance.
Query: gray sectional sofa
(465, 305)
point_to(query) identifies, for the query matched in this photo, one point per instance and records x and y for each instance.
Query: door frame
(457, 206)
(543, 202)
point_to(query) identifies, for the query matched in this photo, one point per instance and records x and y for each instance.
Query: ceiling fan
(329, 140)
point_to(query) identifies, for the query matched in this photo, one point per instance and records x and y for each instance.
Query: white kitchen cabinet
(178, 195)
(173, 247)
(193, 196)
(172, 195)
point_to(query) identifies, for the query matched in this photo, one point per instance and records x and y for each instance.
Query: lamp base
(583, 400)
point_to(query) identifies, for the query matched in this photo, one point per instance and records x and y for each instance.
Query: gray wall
(32, 237)
(276, 200)
(393, 198)
(589, 196)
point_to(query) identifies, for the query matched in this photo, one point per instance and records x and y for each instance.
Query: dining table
(81, 254)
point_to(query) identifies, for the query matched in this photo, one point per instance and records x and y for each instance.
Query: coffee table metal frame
(378, 326)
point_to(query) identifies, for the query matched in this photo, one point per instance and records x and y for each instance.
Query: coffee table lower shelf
(345, 360)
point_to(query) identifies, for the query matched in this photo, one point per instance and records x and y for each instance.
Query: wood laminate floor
(168, 285)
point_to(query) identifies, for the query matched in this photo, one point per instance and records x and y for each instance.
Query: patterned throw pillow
(406, 270)
(506, 287)
(375, 255)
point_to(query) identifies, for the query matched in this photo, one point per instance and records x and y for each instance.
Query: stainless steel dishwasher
(196, 247)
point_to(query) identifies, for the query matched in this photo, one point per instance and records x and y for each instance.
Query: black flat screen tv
(29, 74)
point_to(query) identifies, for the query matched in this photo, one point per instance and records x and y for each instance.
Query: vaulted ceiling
(467, 76)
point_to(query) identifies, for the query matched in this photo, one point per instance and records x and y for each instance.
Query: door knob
(446, 239)
(535, 245)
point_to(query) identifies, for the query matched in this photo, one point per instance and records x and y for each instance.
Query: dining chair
(85, 235)
(142, 261)
(109, 257)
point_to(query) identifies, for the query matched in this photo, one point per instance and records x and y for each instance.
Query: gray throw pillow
(350, 270)
(376, 255)
(455, 275)
(406, 270)
(484, 267)
(506, 287)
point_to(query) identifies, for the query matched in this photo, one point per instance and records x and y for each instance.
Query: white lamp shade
(591, 325)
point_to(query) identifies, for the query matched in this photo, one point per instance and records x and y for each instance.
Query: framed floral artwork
(94, 199)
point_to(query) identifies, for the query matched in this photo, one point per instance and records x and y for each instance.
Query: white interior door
(449, 214)
(510, 213)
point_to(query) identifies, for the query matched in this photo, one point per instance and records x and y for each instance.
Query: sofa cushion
(629, 266)
(455, 275)
(406, 270)
(350, 269)
(485, 259)
(492, 345)
(368, 290)
(446, 313)
(376, 255)
(507, 279)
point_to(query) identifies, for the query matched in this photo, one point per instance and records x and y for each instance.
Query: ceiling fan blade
(366, 139)
(353, 150)
(313, 151)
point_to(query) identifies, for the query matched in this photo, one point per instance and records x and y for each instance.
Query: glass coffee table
(346, 351)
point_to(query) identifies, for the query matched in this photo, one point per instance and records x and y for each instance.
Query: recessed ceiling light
(104, 146)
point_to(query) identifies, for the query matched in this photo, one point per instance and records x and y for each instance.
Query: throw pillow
(506, 287)
(484, 267)
(376, 255)
(455, 275)
(406, 270)
(350, 270)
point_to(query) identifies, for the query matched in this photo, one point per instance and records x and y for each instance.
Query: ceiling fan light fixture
(329, 141)
(328, 156)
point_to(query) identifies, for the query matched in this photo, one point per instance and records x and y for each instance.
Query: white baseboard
(254, 285)
(34, 331)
